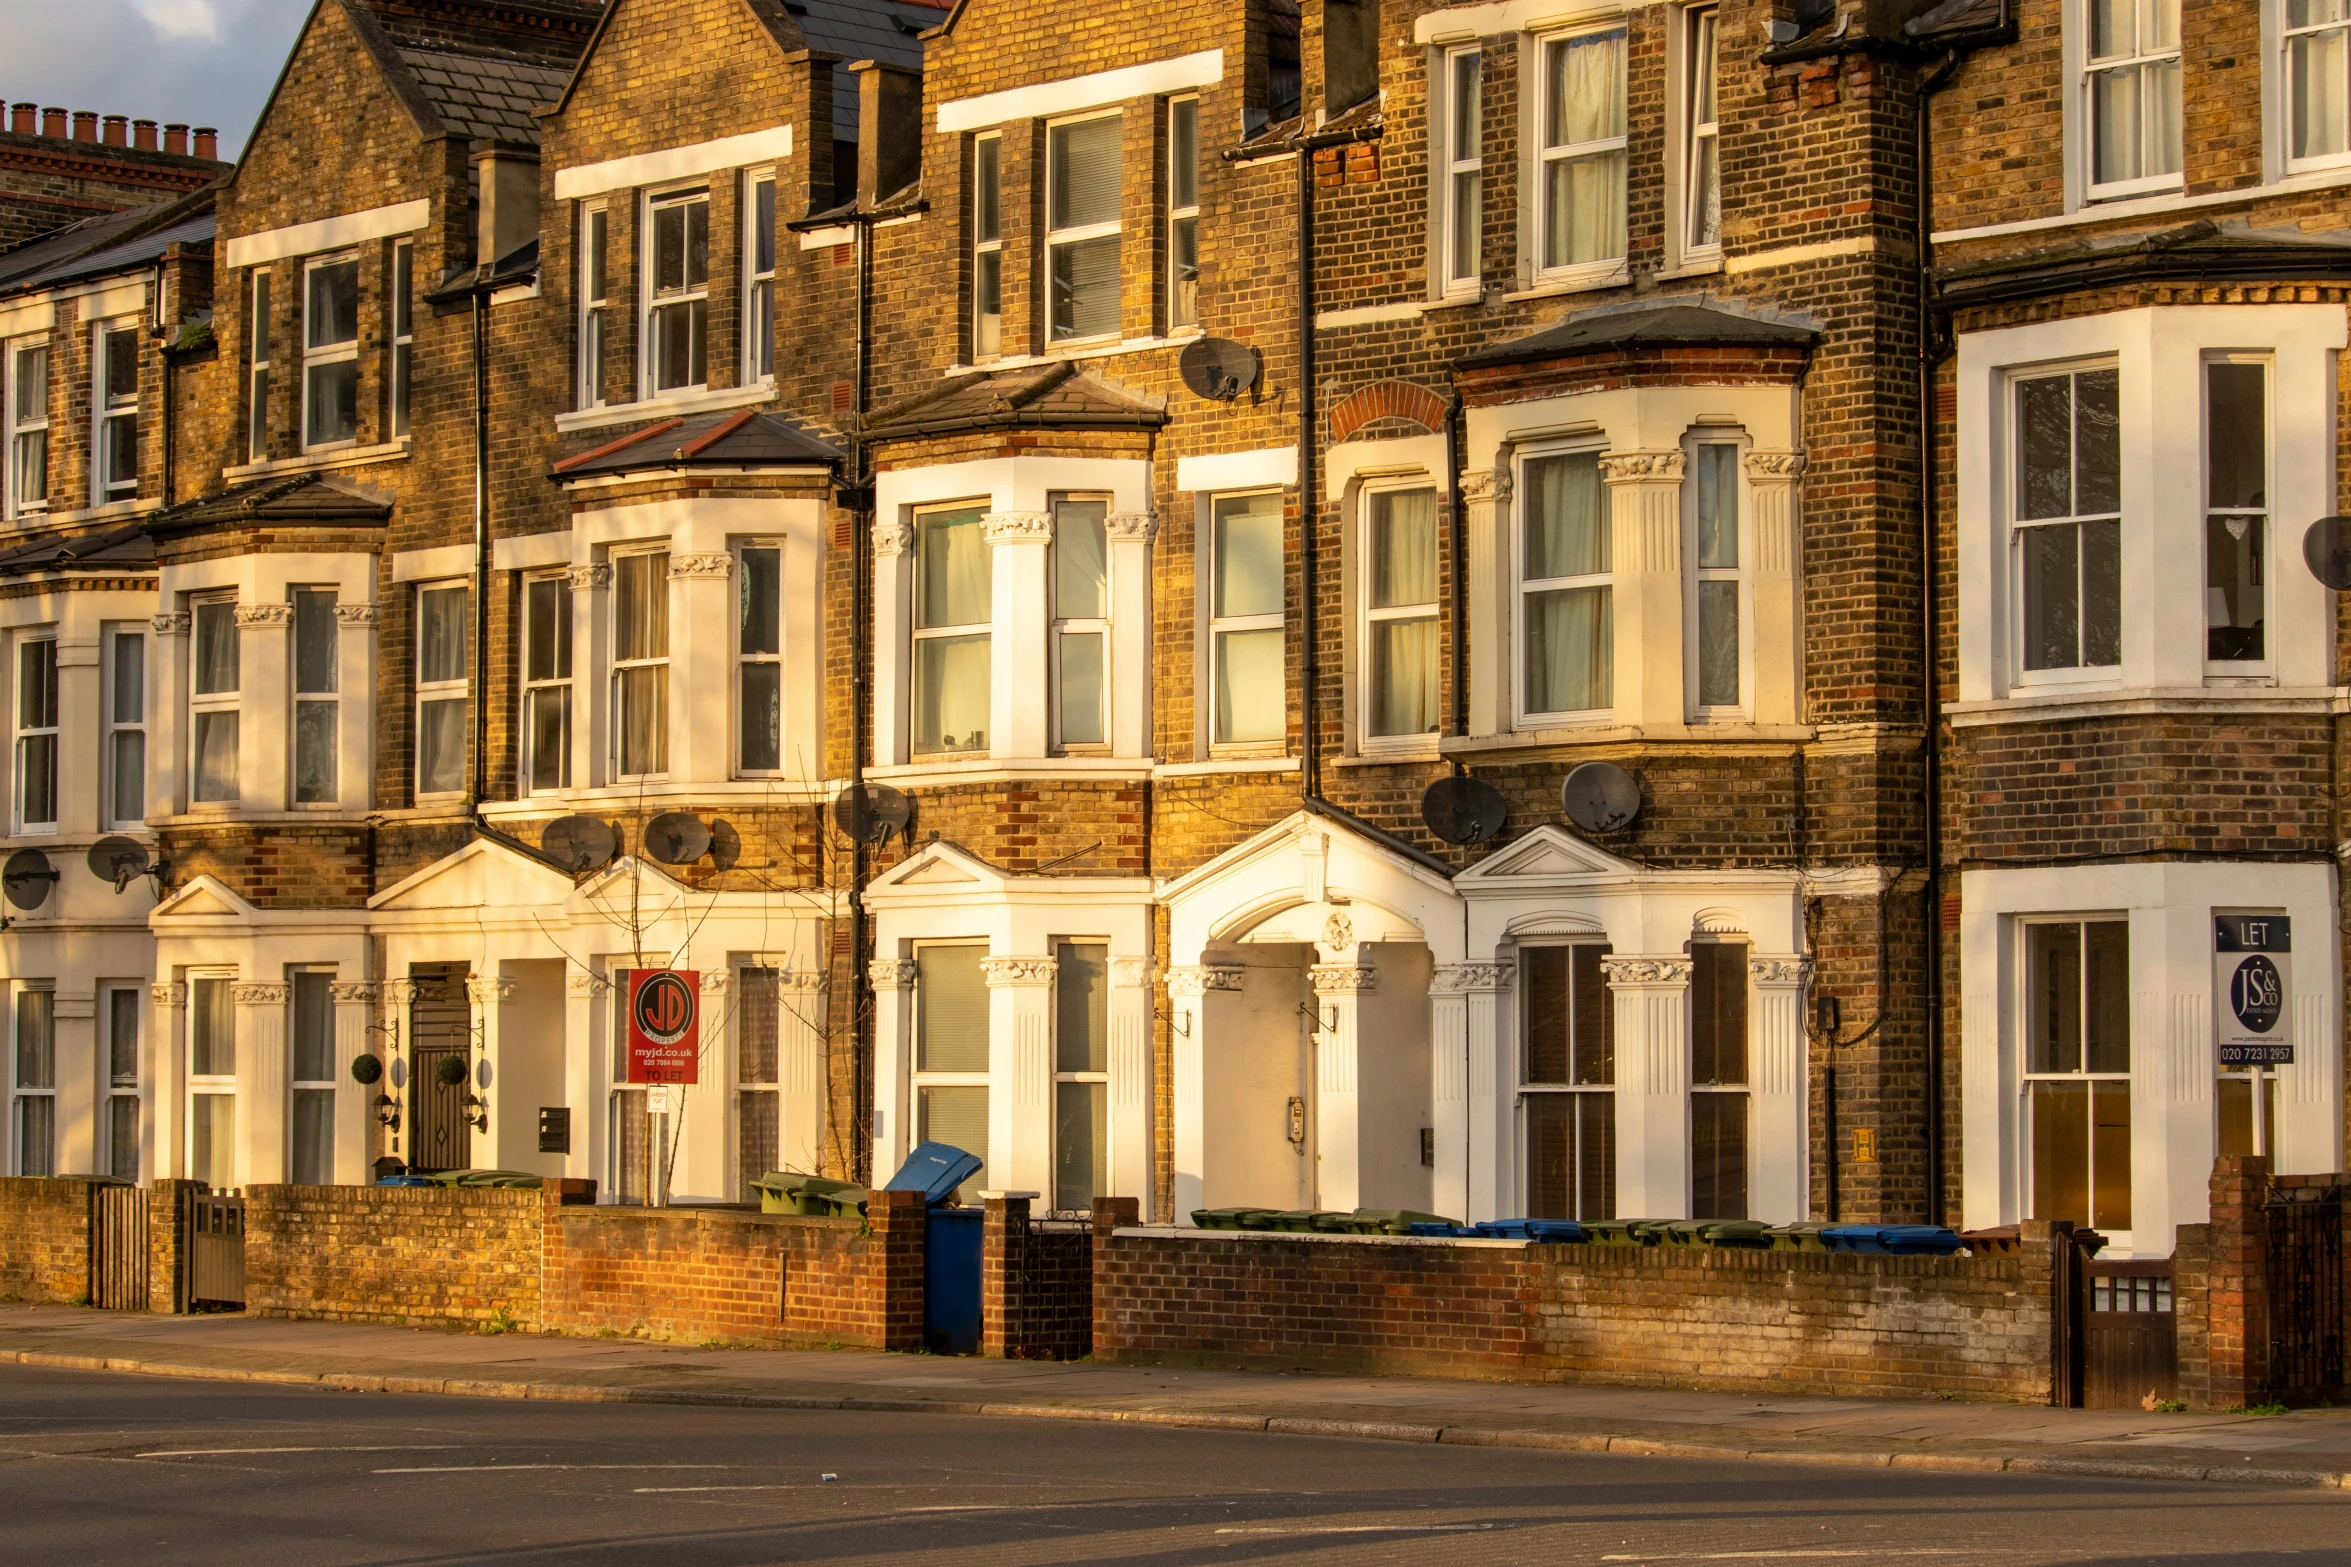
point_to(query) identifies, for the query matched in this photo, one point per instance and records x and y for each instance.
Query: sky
(205, 62)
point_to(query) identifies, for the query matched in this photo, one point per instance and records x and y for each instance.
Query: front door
(440, 1028)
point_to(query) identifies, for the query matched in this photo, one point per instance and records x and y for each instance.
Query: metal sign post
(2252, 993)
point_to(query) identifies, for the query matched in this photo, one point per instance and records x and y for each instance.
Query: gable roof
(1059, 395)
(318, 498)
(1692, 323)
(2204, 250)
(745, 438)
(127, 546)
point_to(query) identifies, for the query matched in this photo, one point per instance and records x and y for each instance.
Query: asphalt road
(98, 1468)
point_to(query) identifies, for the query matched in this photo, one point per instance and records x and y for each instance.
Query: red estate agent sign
(665, 1024)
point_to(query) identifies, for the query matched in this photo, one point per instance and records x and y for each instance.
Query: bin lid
(935, 1170)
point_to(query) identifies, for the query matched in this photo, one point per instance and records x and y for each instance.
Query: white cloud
(182, 18)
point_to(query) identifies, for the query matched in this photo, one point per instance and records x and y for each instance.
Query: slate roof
(744, 438)
(885, 30)
(111, 242)
(1954, 16)
(317, 498)
(1058, 395)
(1678, 325)
(2203, 250)
(125, 546)
(486, 97)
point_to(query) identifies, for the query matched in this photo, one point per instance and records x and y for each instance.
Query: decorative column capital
(1343, 979)
(1455, 979)
(1642, 467)
(1790, 972)
(1019, 971)
(171, 623)
(1138, 525)
(249, 615)
(170, 993)
(714, 982)
(401, 992)
(354, 992)
(892, 536)
(263, 995)
(1017, 527)
(361, 615)
(803, 980)
(585, 984)
(1485, 486)
(596, 575)
(1198, 980)
(890, 973)
(701, 565)
(1629, 973)
(482, 989)
(1774, 467)
(1130, 973)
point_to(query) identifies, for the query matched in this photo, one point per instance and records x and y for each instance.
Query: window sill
(1217, 765)
(2034, 707)
(1392, 755)
(1616, 275)
(41, 521)
(1703, 266)
(321, 462)
(1092, 348)
(1456, 300)
(942, 772)
(1611, 733)
(558, 802)
(663, 407)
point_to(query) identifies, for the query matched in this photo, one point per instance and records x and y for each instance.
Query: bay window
(954, 588)
(36, 734)
(2236, 521)
(2131, 88)
(759, 659)
(758, 1074)
(125, 755)
(595, 226)
(677, 267)
(34, 1082)
(2318, 72)
(1400, 613)
(27, 390)
(2077, 1041)
(212, 1082)
(1717, 582)
(1462, 176)
(1718, 1080)
(1566, 605)
(1083, 188)
(759, 278)
(1701, 133)
(317, 705)
(987, 246)
(114, 405)
(951, 1051)
(118, 1014)
(1569, 1081)
(212, 702)
(640, 664)
(1247, 626)
(1183, 213)
(313, 1078)
(1081, 621)
(443, 686)
(1081, 1074)
(1582, 181)
(330, 353)
(546, 683)
(2068, 533)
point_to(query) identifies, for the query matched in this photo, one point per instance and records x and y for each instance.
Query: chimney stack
(143, 135)
(85, 125)
(118, 130)
(889, 129)
(207, 142)
(23, 118)
(506, 180)
(175, 139)
(53, 122)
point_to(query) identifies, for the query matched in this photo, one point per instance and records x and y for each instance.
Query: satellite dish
(676, 838)
(1600, 797)
(1217, 367)
(2327, 548)
(1463, 810)
(868, 813)
(117, 860)
(28, 878)
(579, 843)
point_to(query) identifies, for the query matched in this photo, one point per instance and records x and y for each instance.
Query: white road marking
(1372, 1528)
(1792, 1554)
(473, 1469)
(222, 1452)
(679, 1490)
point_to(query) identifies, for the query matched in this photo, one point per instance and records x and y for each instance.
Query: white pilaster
(893, 621)
(1771, 486)
(165, 1074)
(800, 1068)
(591, 717)
(893, 1062)
(1476, 1086)
(1652, 997)
(1779, 1159)
(1130, 534)
(587, 1065)
(1130, 1080)
(167, 723)
(1188, 989)
(262, 1083)
(1486, 495)
(355, 676)
(79, 690)
(1019, 672)
(1339, 989)
(355, 1004)
(265, 775)
(701, 648)
(1020, 1070)
(1645, 529)
(488, 994)
(80, 1088)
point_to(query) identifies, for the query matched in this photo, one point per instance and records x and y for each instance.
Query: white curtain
(1587, 90)
(1248, 686)
(1585, 197)
(1081, 568)
(2318, 68)
(216, 756)
(1249, 556)
(951, 679)
(956, 583)
(1567, 533)
(1570, 655)
(1404, 677)
(1403, 548)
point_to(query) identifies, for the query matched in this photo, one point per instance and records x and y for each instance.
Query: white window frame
(1099, 1080)
(741, 1085)
(1055, 239)
(2019, 996)
(2085, 98)
(1548, 48)
(403, 351)
(2015, 529)
(1216, 625)
(1368, 615)
(742, 659)
(21, 1094)
(2280, 18)
(919, 1077)
(108, 411)
(432, 691)
(1182, 217)
(759, 284)
(201, 703)
(1059, 624)
(23, 427)
(1742, 574)
(325, 356)
(259, 349)
(1522, 716)
(297, 1085)
(1451, 166)
(29, 734)
(557, 686)
(211, 1084)
(123, 719)
(114, 1086)
(918, 633)
(1530, 1089)
(2262, 668)
(595, 303)
(1744, 1089)
(651, 302)
(1699, 36)
(987, 240)
(660, 661)
(331, 697)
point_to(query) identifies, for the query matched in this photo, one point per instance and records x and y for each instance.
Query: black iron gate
(118, 1248)
(440, 1028)
(2305, 1298)
(216, 1250)
(2130, 1334)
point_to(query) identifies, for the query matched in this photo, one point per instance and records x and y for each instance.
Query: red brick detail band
(1387, 400)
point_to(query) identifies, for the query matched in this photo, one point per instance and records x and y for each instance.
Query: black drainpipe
(860, 499)
(481, 547)
(1310, 762)
(1457, 549)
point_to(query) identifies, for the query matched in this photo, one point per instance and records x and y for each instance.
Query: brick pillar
(1110, 1213)
(167, 1244)
(555, 1194)
(2050, 1271)
(2191, 1263)
(2236, 1323)
(1004, 1267)
(892, 1286)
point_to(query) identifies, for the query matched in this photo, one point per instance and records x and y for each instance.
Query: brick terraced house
(1158, 443)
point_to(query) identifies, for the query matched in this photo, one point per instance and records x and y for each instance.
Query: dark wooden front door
(440, 1026)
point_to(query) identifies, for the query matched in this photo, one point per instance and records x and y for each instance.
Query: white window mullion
(1081, 623)
(640, 664)
(330, 353)
(36, 733)
(114, 405)
(1248, 638)
(987, 246)
(1082, 216)
(759, 660)
(675, 327)
(546, 683)
(759, 276)
(125, 758)
(1583, 156)
(1463, 203)
(27, 392)
(2131, 96)
(594, 285)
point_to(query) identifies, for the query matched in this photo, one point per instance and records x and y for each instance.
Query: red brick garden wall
(393, 1254)
(45, 1240)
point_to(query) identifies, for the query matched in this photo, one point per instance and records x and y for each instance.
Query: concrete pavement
(2304, 1448)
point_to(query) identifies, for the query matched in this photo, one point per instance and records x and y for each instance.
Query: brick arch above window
(1387, 400)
